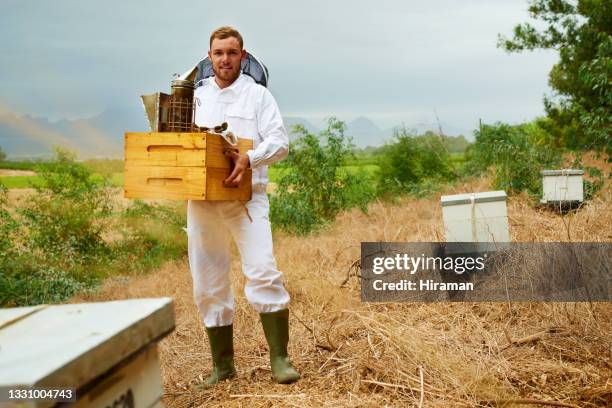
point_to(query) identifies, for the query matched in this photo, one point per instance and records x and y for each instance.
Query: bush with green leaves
(7, 225)
(68, 237)
(414, 164)
(517, 154)
(9, 231)
(67, 215)
(594, 180)
(313, 187)
(39, 285)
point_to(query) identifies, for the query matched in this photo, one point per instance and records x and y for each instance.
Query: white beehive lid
(486, 197)
(564, 172)
(70, 345)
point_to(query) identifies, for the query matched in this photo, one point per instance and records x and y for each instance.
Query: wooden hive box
(477, 217)
(181, 166)
(106, 352)
(561, 186)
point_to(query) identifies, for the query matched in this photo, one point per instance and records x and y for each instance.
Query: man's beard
(229, 76)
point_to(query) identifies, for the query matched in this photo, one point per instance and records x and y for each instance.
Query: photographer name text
(421, 285)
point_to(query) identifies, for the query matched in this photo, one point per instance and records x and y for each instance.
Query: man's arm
(274, 146)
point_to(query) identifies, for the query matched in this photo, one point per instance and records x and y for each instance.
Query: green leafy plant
(68, 237)
(594, 180)
(517, 154)
(414, 164)
(67, 214)
(9, 230)
(312, 188)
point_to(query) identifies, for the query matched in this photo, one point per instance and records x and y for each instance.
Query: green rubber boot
(222, 351)
(276, 329)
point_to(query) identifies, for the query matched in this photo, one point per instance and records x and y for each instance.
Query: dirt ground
(395, 354)
(9, 173)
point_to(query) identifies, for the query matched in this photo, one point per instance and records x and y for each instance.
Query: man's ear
(244, 54)
(209, 55)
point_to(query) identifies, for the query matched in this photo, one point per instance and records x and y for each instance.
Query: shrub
(35, 286)
(594, 180)
(66, 216)
(312, 188)
(7, 226)
(517, 153)
(67, 237)
(412, 162)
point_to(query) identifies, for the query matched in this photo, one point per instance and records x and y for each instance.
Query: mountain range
(102, 135)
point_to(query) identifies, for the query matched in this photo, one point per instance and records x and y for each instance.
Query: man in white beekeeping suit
(251, 112)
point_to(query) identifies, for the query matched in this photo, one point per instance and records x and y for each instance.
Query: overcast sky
(392, 61)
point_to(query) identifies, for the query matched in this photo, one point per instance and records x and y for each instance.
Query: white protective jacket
(251, 112)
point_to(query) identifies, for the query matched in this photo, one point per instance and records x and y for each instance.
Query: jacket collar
(235, 87)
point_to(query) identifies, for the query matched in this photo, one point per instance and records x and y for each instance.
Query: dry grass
(396, 354)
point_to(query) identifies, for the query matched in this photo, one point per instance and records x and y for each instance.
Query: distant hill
(291, 121)
(98, 136)
(102, 135)
(365, 133)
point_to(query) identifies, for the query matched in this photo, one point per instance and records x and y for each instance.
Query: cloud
(74, 59)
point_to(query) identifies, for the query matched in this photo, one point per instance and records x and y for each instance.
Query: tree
(581, 109)
(2, 154)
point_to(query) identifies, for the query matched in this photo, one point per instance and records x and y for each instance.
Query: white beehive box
(560, 186)
(107, 351)
(476, 217)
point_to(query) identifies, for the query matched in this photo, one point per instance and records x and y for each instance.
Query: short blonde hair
(222, 33)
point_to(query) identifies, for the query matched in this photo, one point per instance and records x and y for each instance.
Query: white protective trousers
(210, 226)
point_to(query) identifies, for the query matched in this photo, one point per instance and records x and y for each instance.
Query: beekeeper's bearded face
(226, 55)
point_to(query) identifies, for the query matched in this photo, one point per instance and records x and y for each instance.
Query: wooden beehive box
(106, 351)
(562, 186)
(477, 217)
(181, 166)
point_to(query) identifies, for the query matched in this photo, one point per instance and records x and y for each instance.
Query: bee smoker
(174, 112)
(180, 116)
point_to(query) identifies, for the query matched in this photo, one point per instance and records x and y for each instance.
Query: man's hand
(241, 163)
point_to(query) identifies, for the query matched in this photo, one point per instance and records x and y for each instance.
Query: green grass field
(20, 181)
(275, 173)
(18, 165)
(113, 169)
(116, 180)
